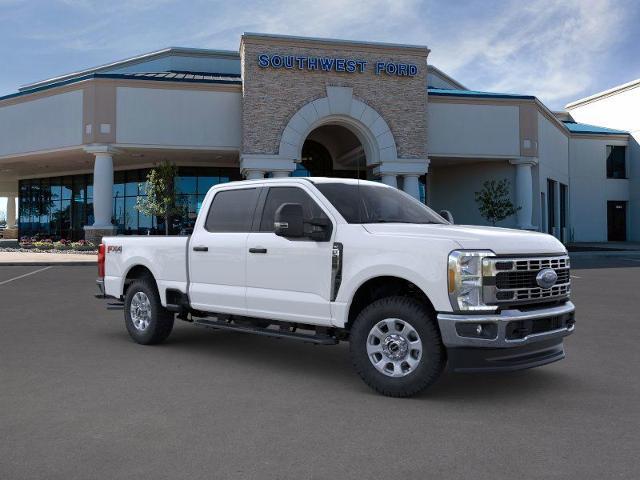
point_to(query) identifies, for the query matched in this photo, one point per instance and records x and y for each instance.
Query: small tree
(161, 199)
(494, 201)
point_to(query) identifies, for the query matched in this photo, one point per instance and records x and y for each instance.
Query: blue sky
(557, 50)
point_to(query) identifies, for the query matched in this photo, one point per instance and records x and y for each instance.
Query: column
(254, 165)
(411, 185)
(524, 191)
(11, 212)
(103, 190)
(390, 179)
(254, 174)
(102, 193)
(410, 169)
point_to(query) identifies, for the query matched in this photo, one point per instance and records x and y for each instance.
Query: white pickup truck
(325, 260)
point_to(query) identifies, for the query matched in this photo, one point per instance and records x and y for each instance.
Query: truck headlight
(465, 279)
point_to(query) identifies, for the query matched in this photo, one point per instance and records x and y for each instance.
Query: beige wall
(272, 96)
(453, 188)
(44, 123)
(473, 129)
(172, 117)
(590, 189)
(620, 110)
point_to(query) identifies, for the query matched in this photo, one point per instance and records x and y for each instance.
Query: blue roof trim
(444, 92)
(225, 80)
(585, 128)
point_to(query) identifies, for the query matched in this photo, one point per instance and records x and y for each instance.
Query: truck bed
(164, 257)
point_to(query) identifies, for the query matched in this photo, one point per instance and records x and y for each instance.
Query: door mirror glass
(319, 229)
(446, 214)
(289, 220)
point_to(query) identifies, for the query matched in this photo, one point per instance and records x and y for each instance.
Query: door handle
(257, 250)
(200, 248)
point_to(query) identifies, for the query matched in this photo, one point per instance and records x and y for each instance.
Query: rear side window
(232, 211)
(279, 195)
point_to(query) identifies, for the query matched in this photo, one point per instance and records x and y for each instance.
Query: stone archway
(339, 107)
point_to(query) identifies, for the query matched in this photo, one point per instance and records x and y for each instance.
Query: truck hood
(502, 241)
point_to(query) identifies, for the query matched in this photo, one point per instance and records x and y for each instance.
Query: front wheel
(147, 321)
(396, 347)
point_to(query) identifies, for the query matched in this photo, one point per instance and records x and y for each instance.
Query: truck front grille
(513, 280)
(526, 279)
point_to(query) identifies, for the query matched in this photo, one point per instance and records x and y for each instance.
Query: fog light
(477, 330)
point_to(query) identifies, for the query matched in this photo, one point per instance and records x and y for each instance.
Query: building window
(616, 161)
(59, 207)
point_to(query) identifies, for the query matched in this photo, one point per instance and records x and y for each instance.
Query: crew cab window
(232, 211)
(279, 195)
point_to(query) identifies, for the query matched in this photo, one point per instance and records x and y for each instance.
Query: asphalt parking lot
(79, 400)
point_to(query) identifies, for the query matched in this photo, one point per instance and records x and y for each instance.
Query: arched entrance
(340, 136)
(333, 150)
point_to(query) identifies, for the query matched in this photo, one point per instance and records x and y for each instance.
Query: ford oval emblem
(546, 278)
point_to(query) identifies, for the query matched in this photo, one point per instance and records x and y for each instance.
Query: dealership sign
(335, 64)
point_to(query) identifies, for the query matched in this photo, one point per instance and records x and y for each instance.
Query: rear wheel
(396, 347)
(147, 321)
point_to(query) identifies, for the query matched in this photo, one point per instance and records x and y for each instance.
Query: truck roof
(346, 181)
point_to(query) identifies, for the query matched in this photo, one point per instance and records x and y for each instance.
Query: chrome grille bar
(516, 278)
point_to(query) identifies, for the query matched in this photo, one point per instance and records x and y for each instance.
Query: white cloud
(545, 48)
(548, 48)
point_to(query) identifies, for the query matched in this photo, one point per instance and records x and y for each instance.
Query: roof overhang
(145, 57)
(606, 93)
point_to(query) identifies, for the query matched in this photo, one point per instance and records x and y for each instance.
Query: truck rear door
(218, 252)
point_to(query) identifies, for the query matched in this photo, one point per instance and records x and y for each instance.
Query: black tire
(431, 361)
(161, 320)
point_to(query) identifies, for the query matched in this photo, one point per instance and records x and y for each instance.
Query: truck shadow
(331, 366)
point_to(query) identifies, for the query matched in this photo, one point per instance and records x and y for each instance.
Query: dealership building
(75, 149)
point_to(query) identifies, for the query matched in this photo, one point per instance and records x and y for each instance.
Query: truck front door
(288, 279)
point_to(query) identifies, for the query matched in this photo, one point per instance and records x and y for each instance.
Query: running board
(266, 332)
(115, 306)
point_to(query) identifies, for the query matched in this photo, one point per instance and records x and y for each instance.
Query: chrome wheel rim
(140, 311)
(394, 347)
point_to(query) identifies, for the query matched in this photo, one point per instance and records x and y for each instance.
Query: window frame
(263, 203)
(251, 222)
(608, 150)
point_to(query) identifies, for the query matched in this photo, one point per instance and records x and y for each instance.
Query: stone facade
(272, 96)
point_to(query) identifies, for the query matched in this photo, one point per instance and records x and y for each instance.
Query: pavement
(80, 400)
(42, 259)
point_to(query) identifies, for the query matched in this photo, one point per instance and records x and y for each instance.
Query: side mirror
(446, 214)
(289, 220)
(320, 229)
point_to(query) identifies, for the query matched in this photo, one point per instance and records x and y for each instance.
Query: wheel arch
(135, 272)
(381, 286)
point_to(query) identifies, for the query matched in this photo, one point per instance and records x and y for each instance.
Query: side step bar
(266, 332)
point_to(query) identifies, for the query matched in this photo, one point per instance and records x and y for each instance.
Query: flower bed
(39, 245)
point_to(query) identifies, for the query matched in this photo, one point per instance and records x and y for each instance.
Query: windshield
(367, 203)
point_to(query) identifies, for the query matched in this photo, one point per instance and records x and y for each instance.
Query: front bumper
(509, 340)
